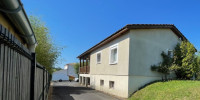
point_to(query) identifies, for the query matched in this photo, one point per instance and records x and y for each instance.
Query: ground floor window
(111, 84)
(88, 81)
(101, 82)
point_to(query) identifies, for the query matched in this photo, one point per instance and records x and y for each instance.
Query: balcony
(84, 67)
(84, 70)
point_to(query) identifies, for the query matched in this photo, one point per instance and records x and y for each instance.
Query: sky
(78, 25)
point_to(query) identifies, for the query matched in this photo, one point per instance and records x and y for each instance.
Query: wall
(121, 68)
(71, 71)
(62, 74)
(120, 88)
(4, 22)
(146, 46)
(107, 72)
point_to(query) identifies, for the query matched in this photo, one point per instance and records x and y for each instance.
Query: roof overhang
(14, 10)
(126, 28)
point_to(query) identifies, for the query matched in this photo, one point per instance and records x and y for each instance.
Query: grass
(171, 90)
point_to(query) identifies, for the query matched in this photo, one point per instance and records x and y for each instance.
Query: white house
(121, 63)
(61, 74)
(66, 74)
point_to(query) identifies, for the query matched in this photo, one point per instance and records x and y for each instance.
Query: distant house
(121, 63)
(66, 74)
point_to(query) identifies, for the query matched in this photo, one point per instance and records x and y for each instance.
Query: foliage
(171, 90)
(46, 51)
(163, 67)
(76, 66)
(56, 69)
(185, 62)
(198, 64)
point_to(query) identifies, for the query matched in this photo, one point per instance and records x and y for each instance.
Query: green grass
(171, 90)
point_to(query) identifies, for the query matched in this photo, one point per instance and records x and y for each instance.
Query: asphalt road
(73, 91)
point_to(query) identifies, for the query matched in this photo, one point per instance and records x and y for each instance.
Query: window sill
(113, 63)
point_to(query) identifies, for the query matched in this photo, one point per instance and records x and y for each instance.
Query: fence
(42, 81)
(20, 77)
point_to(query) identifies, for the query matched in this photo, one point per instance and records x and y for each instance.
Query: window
(111, 84)
(101, 82)
(98, 57)
(114, 54)
(170, 53)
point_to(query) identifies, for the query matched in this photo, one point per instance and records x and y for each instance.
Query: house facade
(121, 64)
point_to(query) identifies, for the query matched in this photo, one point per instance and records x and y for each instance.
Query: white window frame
(97, 57)
(115, 46)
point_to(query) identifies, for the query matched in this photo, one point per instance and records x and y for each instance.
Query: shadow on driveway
(78, 93)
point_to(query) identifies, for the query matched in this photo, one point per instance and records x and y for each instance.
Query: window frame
(97, 57)
(115, 46)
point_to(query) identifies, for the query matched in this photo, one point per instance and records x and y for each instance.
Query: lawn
(171, 90)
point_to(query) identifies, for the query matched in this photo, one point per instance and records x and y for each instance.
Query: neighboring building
(17, 43)
(67, 74)
(121, 64)
(60, 75)
(14, 21)
(71, 70)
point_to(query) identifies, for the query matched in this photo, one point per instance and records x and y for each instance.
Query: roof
(126, 28)
(71, 64)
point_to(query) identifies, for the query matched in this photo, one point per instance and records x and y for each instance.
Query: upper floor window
(114, 54)
(98, 57)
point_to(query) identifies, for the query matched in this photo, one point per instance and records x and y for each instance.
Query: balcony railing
(85, 70)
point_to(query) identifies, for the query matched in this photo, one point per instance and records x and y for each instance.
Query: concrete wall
(5, 22)
(121, 68)
(107, 72)
(146, 46)
(120, 84)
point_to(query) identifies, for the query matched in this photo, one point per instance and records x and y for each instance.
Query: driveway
(73, 91)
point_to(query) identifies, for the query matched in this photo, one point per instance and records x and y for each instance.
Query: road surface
(73, 91)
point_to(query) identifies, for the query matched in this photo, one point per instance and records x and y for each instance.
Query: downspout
(16, 13)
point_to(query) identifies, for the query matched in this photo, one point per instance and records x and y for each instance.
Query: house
(60, 75)
(67, 74)
(14, 20)
(71, 71)
(17, 48)
(121, 63)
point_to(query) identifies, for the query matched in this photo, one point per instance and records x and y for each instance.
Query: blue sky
(80, 24)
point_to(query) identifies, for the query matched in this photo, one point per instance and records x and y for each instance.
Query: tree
(46, 51)
(198, 65)
(185, 62)
(164, 66)
(56, 69)
(76, 66)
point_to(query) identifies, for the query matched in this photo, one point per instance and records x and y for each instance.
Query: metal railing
(21, 78)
